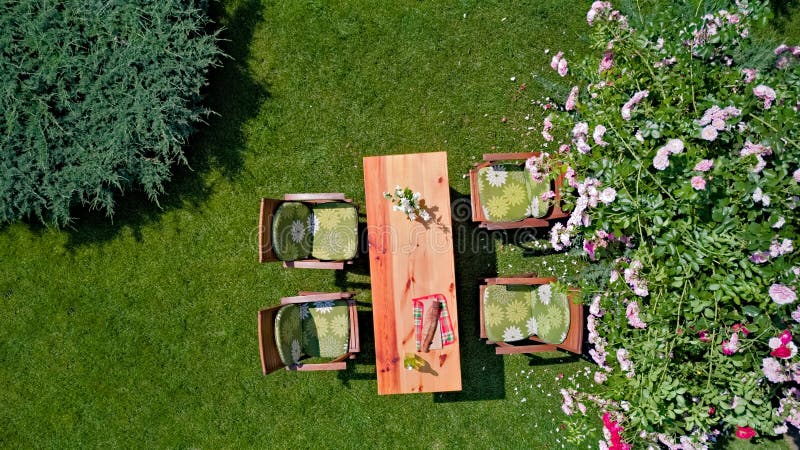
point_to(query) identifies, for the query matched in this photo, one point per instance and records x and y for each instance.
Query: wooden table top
(410, 260)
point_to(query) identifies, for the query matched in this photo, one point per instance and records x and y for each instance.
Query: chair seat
(335, 231)
(538, 206)
(551, 314)
(507, 312)
(288, 335)
(515, 312)
(291, 231)
(505, 192)
(325, 328)
(508, 193)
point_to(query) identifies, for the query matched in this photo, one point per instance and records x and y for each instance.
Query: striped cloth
(445, 324)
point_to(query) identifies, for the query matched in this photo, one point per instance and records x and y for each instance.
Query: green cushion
(325, 328)
(291, 233)
(507, 312)
(288, 334)
(335, 231)
(505, 192)
(550, 314)
(538, 207)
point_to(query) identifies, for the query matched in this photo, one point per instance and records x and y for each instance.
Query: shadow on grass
(367, 355)
(482, 371)
(536, 360)
(234, 97)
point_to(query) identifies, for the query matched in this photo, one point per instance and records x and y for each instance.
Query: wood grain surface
(410, 260)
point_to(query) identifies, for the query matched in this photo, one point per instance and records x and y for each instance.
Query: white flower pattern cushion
(326, 329)
(505, 192)
(507, 312)
(335, 231)
(538, 207)
(551, 314)
(291, 234)
(288, 335)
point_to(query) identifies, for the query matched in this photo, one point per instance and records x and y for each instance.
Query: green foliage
(709, 241)
(97, 97)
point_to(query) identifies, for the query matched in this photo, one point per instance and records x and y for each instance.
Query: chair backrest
(266, 252)
(574, 341)
(270, 359)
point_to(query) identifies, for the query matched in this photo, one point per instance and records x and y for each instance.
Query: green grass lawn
(141, 332)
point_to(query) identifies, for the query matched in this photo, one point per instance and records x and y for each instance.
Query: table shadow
(482, 371)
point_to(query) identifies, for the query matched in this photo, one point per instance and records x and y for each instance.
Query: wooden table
(410, 260)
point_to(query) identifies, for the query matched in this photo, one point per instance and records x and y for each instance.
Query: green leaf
(752, 311)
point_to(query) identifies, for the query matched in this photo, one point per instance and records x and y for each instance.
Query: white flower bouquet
(408, 202)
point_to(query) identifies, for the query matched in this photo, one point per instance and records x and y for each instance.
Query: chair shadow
(536, 360)
(366, 357)
(234, 97)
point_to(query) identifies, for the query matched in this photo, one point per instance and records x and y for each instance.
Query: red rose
(711, 411)
(785, 337)
(745, 432)
(741, 328)
(781, 352)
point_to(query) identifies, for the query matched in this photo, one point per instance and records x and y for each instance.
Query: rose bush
(680, 148)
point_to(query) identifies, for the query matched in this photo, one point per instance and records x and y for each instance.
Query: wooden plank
(475, 200)
(339, 365)
(265, 251)
(317, 297)
(521, 280)
(270, 359)
(491, 157)
(314, 264)
(314, 196)
(410, 260)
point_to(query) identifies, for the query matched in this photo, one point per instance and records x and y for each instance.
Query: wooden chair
(478, 214)
(266, 246)
(573, 342)
(268, 341)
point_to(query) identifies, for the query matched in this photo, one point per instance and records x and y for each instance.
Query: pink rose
(781, 48)
(704, 165)
(749, 75)
(571, 99)
(661, 161)
(765, 93)
(562, 67)
(597, 135)
(698, 183)
(556, 59)
(709, 133)
(782, 294)
(606, 63)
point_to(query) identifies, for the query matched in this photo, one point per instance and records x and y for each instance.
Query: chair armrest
(489, 157)
(314, 196)
(315, 264)
(520, 280)
(316, 298)
(339, 365)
